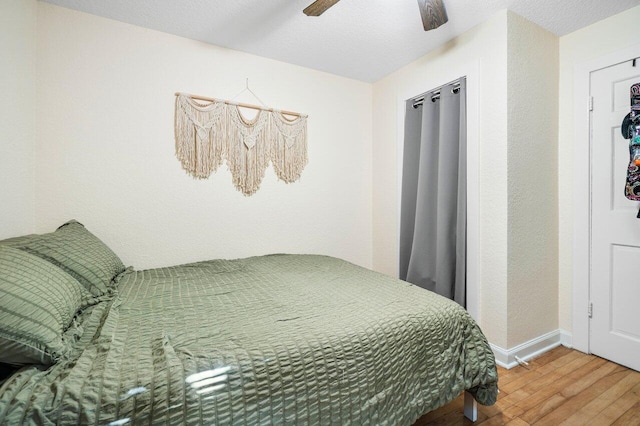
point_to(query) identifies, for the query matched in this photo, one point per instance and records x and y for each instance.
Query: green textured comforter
(281, 339)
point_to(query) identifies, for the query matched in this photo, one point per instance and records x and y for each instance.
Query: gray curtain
(433, 211)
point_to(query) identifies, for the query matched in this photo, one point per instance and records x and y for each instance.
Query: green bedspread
(281, 339)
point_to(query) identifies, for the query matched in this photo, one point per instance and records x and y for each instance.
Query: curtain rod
(240, 104)
(435, 93)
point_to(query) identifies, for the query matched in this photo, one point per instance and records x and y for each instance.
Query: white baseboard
(566, 338)
(506, 358)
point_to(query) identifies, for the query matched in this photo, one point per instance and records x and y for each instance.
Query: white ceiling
(360, 39)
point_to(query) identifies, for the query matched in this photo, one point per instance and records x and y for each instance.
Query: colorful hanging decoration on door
(208, 134)
(631, 130)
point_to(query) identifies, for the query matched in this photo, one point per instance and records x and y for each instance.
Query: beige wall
(610, 35)
(106, 149)
(517, 65)
(532, 187)
(17, 115)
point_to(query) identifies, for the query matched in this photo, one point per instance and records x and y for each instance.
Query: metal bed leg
(470, 407)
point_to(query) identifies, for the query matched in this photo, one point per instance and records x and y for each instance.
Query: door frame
(582, 193)
(470, 71)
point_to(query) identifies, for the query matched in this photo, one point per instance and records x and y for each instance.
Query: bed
(278, 339)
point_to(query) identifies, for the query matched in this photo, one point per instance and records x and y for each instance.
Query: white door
(615, 230)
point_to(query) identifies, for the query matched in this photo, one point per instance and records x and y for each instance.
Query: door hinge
(590, 310)
(590, 103)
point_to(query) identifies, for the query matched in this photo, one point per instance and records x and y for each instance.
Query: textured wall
(106, 149)
(532, 188)
(17, 115)
(486, 45)
(604, 37)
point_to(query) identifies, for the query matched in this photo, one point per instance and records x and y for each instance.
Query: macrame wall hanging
(207, 134)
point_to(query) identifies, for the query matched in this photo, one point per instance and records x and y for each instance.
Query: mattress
(279, 339)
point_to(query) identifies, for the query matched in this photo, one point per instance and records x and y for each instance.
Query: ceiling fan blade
(318, 7)
(433, 13)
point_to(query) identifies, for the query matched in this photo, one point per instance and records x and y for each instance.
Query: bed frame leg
(470, 407)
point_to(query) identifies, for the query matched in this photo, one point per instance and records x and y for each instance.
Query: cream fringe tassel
(208, 134)
(289, 147)
(248, 149)
(199, 133)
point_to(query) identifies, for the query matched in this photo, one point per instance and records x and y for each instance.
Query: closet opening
(433, 205)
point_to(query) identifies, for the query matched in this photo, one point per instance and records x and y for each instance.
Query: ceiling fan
(433, 12)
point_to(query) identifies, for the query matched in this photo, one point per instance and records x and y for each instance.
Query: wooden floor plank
(615, 410)
(521, 381)
(497, 420)
(558, 385)
(550, 356)
(561, 362)
(588, 380)
(589, 411)
(512, 399)
(630, 418)
(507, 376)
(517, 422)
(575, 403)
(543, 408)
(562, 386)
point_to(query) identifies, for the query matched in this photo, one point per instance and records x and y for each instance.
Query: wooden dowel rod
(240, 104)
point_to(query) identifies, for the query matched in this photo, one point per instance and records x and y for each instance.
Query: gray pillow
(78, 252)
(38, 301)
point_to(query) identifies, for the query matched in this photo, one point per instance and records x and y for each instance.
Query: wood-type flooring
(561, 387)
